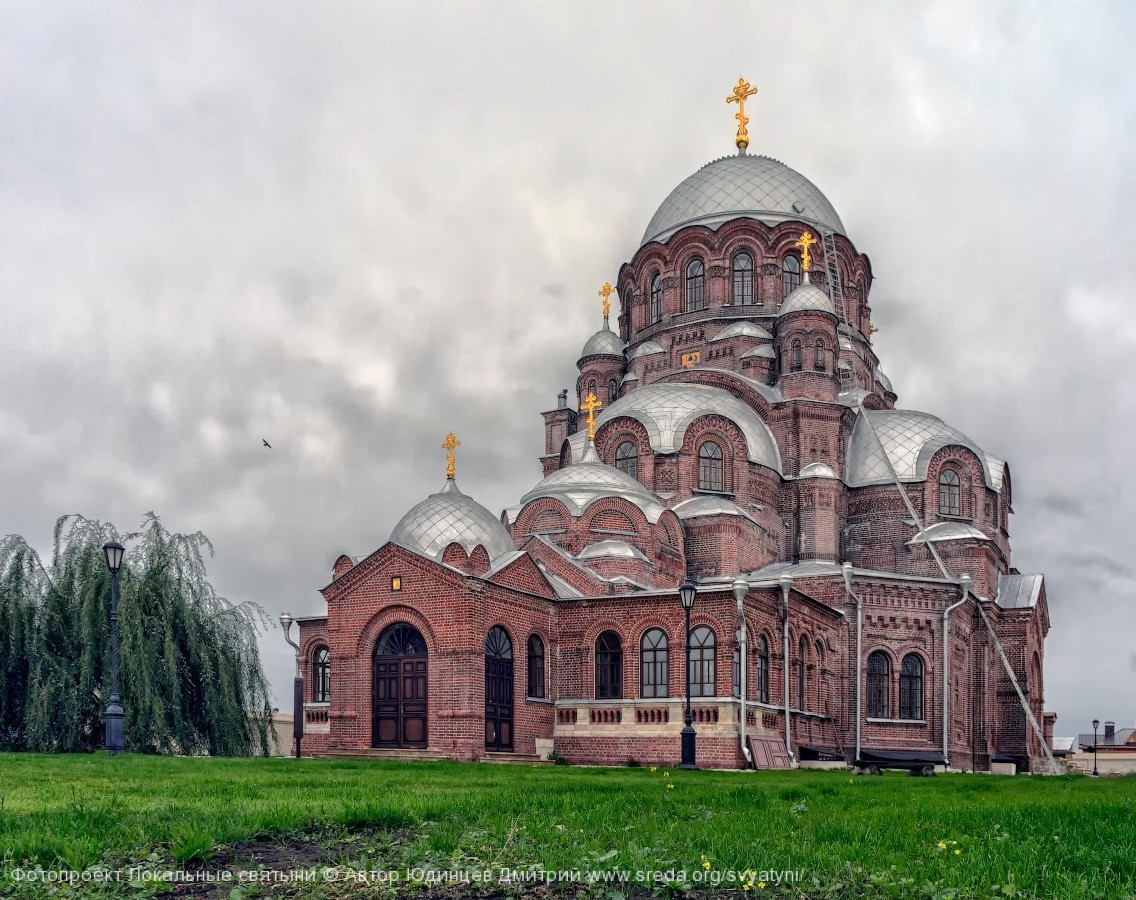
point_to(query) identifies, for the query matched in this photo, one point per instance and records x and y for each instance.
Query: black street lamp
(113, 736)
(1096, 725)
(297, 684)
(686, 594)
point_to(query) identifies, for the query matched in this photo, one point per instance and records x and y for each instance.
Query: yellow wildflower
(957, 852)
(670, 787)
(942, 845)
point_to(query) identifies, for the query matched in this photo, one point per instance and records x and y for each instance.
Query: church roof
(765, 351)
(647, 348)
(610, 550)
(817, 470)
(448, 517)
(948, 531)
(884, 381)
(579, 484)
(604, 342)
(732, 187)
(910, 438)
(1019, 591)
(742, 329)
(665, 410)
(709, 505)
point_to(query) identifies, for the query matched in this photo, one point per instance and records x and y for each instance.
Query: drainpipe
(846, 569)
(741, 587)
(964, 586)
(786, 586)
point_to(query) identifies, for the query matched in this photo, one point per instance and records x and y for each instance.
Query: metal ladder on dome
(832, 273)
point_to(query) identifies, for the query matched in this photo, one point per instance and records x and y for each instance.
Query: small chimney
(562, 399)
(1109, 730)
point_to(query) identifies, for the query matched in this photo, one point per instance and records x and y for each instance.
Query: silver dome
(817, 470)
(764, 352)
(911, 439)
(806, 297)
(604, 342)
(647, 348)
(884, 381)
(742, 329)
(448, 517)
(665, 411)
(578, 485)
(736, 186)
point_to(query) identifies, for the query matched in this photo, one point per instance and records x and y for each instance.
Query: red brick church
(855, 599)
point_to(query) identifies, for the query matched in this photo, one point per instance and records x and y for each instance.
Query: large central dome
(735, 186)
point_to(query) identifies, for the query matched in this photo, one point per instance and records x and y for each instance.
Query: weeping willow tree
(190, 675)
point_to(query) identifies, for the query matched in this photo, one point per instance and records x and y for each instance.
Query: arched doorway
(498, 690)
(398, 699)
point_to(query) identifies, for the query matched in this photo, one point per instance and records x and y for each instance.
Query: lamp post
(297, 684)
(686, 594)
(113, 740)
(1096, 725)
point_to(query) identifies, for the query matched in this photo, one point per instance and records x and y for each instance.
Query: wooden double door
(498, 690)
(399, 689)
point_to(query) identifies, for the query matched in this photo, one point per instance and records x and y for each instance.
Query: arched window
(321, 675)
(702, 652)
(743, 279)
(819, 361)
(710, 467)
(949, 494)
(612, 390)
(879, 686)
(796, 362)
(790, 275)
(627, 459)
(802, 674)
(609, 666)
(820, 684)
(911, 687)
(656, 298)
(653, 680)
(695, 285)
(497, 643)
(762, 670)
(736, 683)
(591, 389)
(536, 666)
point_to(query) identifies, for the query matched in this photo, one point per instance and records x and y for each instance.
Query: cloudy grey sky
(350, 228)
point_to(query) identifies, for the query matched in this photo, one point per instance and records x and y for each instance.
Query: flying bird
(266, 444)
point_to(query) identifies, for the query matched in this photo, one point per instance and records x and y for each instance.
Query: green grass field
(889, 836)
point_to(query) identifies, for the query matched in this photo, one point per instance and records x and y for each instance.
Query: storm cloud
(351, 228)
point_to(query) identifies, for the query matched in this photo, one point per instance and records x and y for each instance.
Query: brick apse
(852, 558)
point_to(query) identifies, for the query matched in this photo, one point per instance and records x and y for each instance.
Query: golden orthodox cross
(806, 241)
(872, 329)
(590, 405)
(741, 90)
(606, 291)
(448, 445)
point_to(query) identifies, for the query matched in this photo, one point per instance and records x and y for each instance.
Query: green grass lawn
(893, 836)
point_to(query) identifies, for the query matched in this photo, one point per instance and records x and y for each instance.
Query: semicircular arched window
(819, 359)
(879, 686)
(911, 687)
(743, 279)
(695, 285)
(536, 666)
(653, 681)
(612, 390)
(321, 675)
(497, 643)
(762, 669)
(950, 493)
(710, 467)
(627, 459)
(790, 275)
(656, 298)
(703, 648)
(796, 360)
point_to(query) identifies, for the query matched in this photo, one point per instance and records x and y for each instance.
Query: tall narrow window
(911, 687)
(536, 666)
(802, 674)
(736, 684)
(695, 285)
(743, 279)
(949, 494)
(710, 467)
(612, 390)
(627, 459)
(819, 362)
(653, 680)
(321, 675)
(762, 670)
(656, 298)
(790, 276)
(796, 363)
(609, 667)
(879, 686)
(591, 389)
(702, 653)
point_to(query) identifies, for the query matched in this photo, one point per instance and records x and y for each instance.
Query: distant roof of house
(1120, 738)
